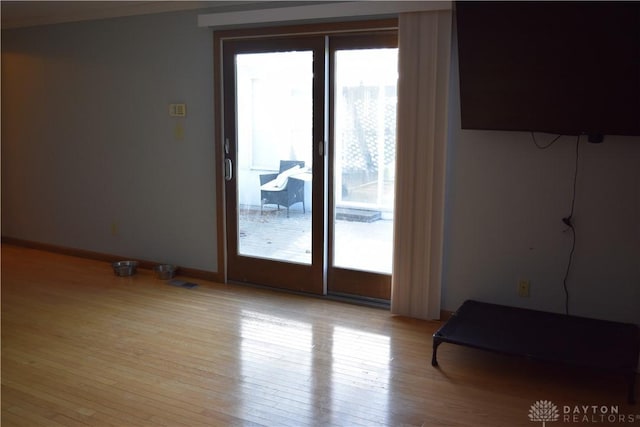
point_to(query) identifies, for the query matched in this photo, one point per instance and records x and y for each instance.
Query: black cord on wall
(544, 147)
(568, 220)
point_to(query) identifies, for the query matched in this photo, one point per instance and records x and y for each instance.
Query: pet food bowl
(165, 271)
(125, 268)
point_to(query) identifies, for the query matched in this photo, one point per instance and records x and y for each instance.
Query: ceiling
(17, 14)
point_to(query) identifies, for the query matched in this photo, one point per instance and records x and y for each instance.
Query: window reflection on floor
(275, 357)
(277, 366)
(360, 371)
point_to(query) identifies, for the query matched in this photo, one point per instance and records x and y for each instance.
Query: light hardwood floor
(83, 347)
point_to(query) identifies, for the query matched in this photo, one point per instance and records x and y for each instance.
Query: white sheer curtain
(424, 43)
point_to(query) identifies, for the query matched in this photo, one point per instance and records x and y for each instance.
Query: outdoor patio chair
(279, 189)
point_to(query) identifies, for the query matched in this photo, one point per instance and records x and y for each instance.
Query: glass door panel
(274, 161)
(273, 123)
(364, 141)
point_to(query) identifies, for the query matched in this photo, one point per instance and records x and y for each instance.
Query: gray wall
(87, 140)
(505, 204)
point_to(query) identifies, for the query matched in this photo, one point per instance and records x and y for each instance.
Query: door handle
(228, 170)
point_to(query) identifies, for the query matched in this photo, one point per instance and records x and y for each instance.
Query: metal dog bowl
(165, 271)
(125, 268)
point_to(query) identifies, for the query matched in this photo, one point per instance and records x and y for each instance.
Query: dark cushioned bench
(550, 337)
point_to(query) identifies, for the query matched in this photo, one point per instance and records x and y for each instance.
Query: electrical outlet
(524, 288)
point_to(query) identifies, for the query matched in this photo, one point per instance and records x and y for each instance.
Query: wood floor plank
(81, 346)
(12, 398)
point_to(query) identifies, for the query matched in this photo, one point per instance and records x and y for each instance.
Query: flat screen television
(560, 67)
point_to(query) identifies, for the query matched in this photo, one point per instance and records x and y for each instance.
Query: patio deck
(359, 245)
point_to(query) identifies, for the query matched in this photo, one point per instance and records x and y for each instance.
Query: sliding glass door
(309, 152)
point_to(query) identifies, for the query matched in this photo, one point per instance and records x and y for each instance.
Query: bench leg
(434, 359)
